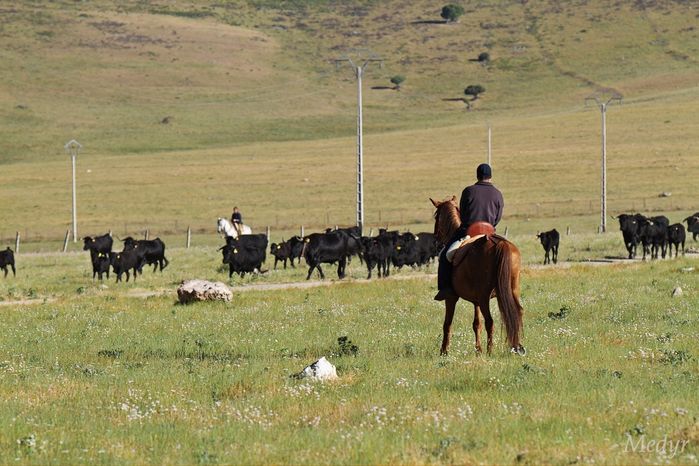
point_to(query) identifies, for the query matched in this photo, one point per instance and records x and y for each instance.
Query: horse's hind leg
(477, 327)
(485, 309)
(450, 305)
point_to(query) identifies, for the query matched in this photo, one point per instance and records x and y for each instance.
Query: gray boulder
(203, 290)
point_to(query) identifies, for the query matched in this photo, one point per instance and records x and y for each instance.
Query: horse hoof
(520, 350)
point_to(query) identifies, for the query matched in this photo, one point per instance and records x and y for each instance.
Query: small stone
(203, 290)
(677, 291)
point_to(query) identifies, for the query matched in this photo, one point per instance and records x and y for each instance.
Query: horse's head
(446, 218)
(219, 225)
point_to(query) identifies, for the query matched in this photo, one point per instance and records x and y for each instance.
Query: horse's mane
(447, 220)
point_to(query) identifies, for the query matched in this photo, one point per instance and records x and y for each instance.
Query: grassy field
(98, 375)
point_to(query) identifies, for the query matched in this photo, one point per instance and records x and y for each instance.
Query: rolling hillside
(242, 103)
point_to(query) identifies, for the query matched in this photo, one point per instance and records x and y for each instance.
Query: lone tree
(484, 57)
(397, 80)
(452, 12)
(473, 90)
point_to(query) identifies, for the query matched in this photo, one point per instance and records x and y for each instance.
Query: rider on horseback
(236, 219)
(480, 202)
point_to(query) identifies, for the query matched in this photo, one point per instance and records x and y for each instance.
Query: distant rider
(237, 219)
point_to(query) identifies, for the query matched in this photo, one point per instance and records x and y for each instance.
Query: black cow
(377, 253)
(244, 254)
(405, 251)
(427, 247)
(675, 237)
(630, 229)
(149, 252)
(7, 257)
(326, 248)
(124, 261)
(100, 264)
(281, 253)
(354, 241)
(549, 240)
(98, 245)
(653, 234)
(693, 225)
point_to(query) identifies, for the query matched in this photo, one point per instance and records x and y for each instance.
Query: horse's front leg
(485, 309)
(477, 326)
(450, 306)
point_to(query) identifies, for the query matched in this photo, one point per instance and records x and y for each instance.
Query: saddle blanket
(456, 245)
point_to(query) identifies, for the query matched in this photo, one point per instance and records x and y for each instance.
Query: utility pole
(490, 145)
(73, 147)
(359, 72)
(602, 104)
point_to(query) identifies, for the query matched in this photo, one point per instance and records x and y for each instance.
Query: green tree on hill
(452, 12)
(474, 90)
(397, 80)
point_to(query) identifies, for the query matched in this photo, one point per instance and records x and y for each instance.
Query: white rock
(203, 290)
(677, 291)
(319, 370)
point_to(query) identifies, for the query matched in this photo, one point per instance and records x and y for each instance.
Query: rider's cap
(484, 171)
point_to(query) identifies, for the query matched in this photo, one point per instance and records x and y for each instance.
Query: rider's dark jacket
(481, 202)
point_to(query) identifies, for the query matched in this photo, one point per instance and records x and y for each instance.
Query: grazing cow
(7, 257)
(377, 253)
(693, 225)
(675, 237)
(326, 248)
(124, 261)
(630, 229)
(149, 252)
(549, 240)
(653, 234)
(244, 254)
(100, 264)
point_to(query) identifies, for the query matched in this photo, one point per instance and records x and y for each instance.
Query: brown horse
(489, 269)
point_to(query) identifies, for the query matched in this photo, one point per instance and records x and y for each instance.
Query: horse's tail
(507, 280)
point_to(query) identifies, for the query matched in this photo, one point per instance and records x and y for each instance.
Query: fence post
(507, 229)
(371, 232)
(268, 233)
(302, 232)
(568, 230)
(17, 242)
(65, 241)
(189, 236)
(146, 234)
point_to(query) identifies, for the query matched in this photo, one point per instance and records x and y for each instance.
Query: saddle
(476, 233)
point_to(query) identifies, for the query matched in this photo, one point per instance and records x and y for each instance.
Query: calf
(7, 257)
(281, 253)
(549, 240)
(675, 236)
(124, 261)
(149, 252)
(100, 264)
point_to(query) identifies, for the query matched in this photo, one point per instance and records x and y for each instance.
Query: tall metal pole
(603, 201)
(73, 147)
(359, 72)
(360, 167)
(490, 145)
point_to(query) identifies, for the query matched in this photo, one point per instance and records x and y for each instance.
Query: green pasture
(107, 373)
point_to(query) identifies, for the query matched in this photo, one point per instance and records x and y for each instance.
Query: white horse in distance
(224, 227)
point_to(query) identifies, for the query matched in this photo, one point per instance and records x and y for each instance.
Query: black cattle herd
(247, 253)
